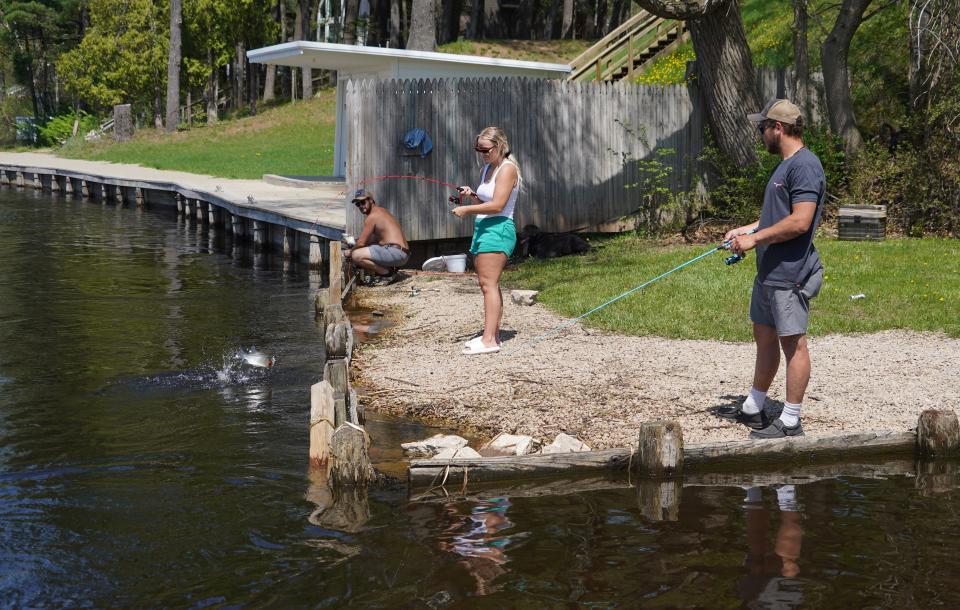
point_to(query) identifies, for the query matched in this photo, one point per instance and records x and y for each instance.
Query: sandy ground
(600, 386)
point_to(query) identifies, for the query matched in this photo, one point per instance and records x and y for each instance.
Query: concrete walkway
(319, 210)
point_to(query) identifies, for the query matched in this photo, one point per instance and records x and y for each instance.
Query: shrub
(59, 129)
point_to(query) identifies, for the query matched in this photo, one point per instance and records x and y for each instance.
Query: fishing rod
(730, 260)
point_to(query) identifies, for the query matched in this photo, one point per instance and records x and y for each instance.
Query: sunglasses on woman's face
(483, 151)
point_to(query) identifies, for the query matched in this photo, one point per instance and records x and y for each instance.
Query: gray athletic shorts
(786, 309)
(387, 256)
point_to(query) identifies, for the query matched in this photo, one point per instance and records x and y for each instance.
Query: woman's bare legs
(489, 267)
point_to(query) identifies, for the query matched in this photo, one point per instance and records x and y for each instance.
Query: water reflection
(772, 565)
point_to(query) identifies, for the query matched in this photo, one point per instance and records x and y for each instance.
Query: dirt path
(600, 386)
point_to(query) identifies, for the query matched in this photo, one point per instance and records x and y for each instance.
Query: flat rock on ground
(600, 386)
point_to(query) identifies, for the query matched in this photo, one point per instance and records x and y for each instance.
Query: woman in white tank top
(494, 234)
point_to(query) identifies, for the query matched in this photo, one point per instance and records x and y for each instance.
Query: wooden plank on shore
(702, 456)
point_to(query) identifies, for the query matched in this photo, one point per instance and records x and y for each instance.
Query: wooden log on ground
(757, 454)
(337, 339)
(336, 273)
(321, 423)
(355, 414)
(351, 460)
(122, 122)
(660, 449)
(658, 499)
(938, 433)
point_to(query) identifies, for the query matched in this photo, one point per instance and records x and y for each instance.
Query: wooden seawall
(296, 221)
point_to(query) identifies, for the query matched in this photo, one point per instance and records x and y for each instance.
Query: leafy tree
(122, 57)
(33, 34)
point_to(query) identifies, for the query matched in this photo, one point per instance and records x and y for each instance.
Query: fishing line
(729, 261)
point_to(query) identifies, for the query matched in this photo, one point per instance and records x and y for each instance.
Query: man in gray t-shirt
(789, 271)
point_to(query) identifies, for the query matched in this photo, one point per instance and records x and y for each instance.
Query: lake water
(140, 466)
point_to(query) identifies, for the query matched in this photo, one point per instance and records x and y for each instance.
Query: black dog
(534, 242)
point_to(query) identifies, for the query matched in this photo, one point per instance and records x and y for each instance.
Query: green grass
(290, 139)
(549, 51)
(908, 283)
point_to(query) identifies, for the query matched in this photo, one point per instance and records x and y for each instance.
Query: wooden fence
(576, 143)
(569, 139)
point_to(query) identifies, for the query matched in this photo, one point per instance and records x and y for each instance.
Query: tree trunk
(725, 72)
(302, 32)
(212, 90)
(492, 26)
(450, 21)
(269, 82)
(423, 26)
(173, 66)
(836, 78)
(351, 13)
(566, 29)
(919, 48)
(475, 27)
(396, 27)
(801, 59)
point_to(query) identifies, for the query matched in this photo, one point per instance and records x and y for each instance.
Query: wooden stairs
(626, 50)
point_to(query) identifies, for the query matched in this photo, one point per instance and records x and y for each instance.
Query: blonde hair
(499, 139)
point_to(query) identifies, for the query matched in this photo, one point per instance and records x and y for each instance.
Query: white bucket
(456, 263)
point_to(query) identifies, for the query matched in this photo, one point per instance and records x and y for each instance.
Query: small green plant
(61, 128)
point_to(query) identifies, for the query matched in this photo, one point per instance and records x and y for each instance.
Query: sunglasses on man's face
(762, 127)
(483, 151)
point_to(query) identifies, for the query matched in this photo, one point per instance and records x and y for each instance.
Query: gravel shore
(600, 386)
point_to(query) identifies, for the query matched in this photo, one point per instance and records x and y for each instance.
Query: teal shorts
(494, 234)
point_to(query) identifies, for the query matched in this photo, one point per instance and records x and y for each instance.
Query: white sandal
(479, 348)
(477, 340)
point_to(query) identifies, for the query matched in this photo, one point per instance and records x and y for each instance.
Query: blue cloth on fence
(418, 138)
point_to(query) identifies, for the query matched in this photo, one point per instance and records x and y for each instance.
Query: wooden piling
(118, 196)
(351, 460)
(289, 243)
(4, 179)
(84, 189)
(179, 199)
(212, 214)
(321, 423)
(236, 225)
(103, 193)
(316, 253)
(138, 195)
(201, 215)
(660, 449)
(68, 185)
(187, 209)
(938, 433)
(20, 179)
(37, 184)
(54, 183)
(259, 235)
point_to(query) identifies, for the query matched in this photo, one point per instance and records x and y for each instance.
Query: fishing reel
(733, 259)
(455, 200)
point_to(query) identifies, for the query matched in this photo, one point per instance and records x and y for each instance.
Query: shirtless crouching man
(381, 247)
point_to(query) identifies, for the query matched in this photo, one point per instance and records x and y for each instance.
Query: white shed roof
(397, 63)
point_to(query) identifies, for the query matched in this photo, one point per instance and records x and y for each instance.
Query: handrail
(587, 58)
(661, 27)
